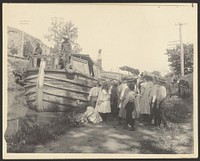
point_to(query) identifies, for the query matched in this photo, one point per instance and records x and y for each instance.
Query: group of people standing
(130, 100)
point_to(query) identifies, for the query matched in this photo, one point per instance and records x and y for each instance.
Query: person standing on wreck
(66, 51)
(103, 102)
(38, 51)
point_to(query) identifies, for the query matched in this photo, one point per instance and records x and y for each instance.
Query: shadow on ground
(110, 138)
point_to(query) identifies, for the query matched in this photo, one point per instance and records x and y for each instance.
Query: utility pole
(181, 46)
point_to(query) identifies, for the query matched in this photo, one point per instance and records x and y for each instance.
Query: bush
(15, 65)
(28, 49)
(13, 48)
(178, 110)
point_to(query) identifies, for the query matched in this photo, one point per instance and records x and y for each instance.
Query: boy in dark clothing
(114, 99)
(38, 51)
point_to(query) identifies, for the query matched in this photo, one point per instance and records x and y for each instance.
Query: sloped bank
(15, 64)
(43, 130)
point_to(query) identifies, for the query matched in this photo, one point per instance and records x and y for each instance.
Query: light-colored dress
(145, 97)
(103, 102)
(93, 95)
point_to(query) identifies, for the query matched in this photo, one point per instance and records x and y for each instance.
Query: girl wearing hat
(103, 102)
(93, 95)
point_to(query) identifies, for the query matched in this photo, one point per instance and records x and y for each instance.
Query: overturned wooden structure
(49, 88)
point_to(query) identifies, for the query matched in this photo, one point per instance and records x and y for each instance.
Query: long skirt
(114, 109)
(144, 105)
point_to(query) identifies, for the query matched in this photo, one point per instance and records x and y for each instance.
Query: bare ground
(112, 138)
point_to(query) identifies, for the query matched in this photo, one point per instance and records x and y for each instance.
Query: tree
(156, 73)
(175, 60)
(28, 49)
(13, 48)
(60, 28)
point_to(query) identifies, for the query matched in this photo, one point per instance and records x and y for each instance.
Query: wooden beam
(30, 85)
(86, 76)
(73, 98)
(66, 89)
(31, 77)
(63, 104)
(67, 80)
(29, 93)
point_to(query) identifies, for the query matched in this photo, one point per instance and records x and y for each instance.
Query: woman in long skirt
(145, 100)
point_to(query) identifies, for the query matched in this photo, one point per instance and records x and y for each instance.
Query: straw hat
(161, 80)
(114, 82)
(66, 37)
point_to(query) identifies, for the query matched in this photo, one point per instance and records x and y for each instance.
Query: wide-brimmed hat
(161, 80)
(115, 82)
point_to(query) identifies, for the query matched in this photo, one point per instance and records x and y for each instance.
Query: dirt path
(112, 138)
(108, 138)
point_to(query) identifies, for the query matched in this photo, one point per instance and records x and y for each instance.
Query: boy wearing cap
(114, 98)
(38, 51)
(160, 97)
(66, 49)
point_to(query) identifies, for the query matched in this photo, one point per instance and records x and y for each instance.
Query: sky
(136, 35)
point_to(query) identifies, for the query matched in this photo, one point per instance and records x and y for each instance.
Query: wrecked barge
(51, 89)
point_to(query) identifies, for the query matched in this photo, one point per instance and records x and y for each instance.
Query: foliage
(156, 73)
(28, 49)
(178, 110)
(175, 60)
(59, 28)
(13, 48)
(15, 65)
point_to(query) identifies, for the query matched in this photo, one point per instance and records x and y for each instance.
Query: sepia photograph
(100, 80)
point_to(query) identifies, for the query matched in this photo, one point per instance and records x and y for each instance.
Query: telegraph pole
(181, 46)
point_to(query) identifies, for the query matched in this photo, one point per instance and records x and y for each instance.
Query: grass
(178, 138)
(178, 110)
(24, 140)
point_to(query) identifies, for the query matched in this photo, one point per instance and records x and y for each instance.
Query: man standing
(66, 51)
(114, 98)
(153, 103)
(123, 90)
(38, 51)
(161, 95)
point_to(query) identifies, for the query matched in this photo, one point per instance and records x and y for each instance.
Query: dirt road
(110, 138)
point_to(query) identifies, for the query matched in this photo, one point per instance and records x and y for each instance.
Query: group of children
(130, 99)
